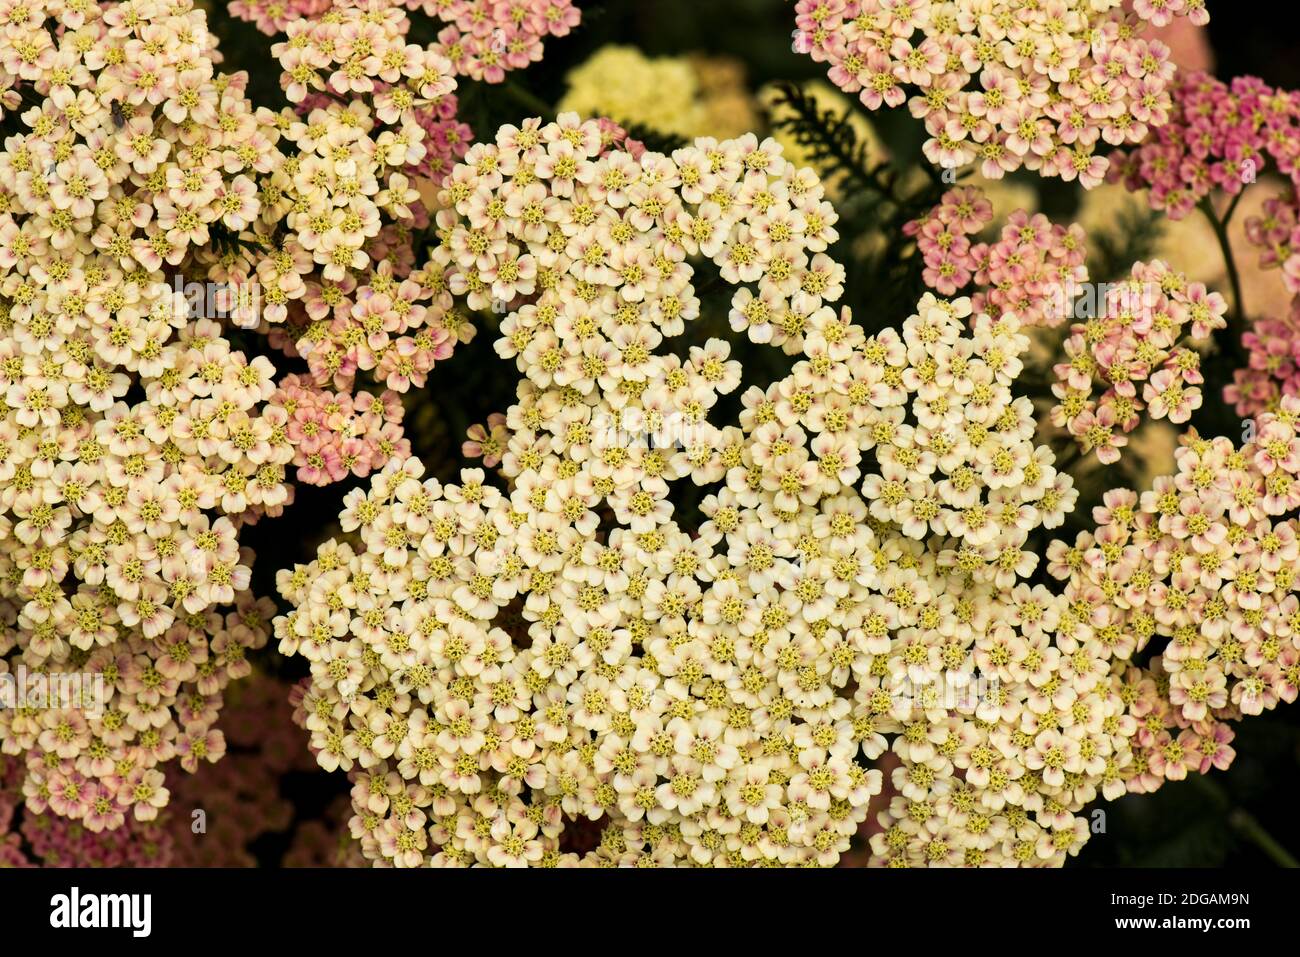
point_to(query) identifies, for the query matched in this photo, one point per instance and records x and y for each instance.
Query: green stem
(1232, 208)
(1228, 339)
(1225, 246)
(1243, 823)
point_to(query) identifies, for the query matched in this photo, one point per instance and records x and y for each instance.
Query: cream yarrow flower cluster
(483, 38)
(491, 666)
(1005, 83)
(134, 440)
(345, 205)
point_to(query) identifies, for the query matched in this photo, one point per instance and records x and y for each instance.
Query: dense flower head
(1272, 366)
(1010, 84)
(493, 666)
(446, 138)
(135, 440)
(1137, 346)
(274, 16)
(660, 93)
(1272, 345)
(1035, 268)
(684, 96)
(145, 702)
(213, 818)
(336, 434)
(360, 47)
(46, 839)
(1221, 138)
(483, 40)
(371, 108)
(1136, 338)
(1205, 562)
(216, 818)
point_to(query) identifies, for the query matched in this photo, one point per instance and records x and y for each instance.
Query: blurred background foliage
(670, 70)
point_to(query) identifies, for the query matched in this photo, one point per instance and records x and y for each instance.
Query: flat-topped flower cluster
(134, 439)
(346, 282)
(481, 40)
(1144, 334)
(1207, 559)
(1005, 83)
(1034, 268)
(240, 799)
(1221, 138)
(493, 665)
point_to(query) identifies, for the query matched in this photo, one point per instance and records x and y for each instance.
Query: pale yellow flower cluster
(348, 202)
(675, 96)
(492, 666)
(134, 440)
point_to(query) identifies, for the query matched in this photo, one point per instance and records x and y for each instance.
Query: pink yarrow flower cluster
(394, 330)
(1035, 268)
(1273, 366)
(336, 434)
(274, 16)
(486, 38)
(446, 139)
(1204, 565)
(1138, 350)
(237, 800)
(1221, 137)
(1004, 83)
(1273, 344)
(145, 702)
(242, 798)
(30, 839)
